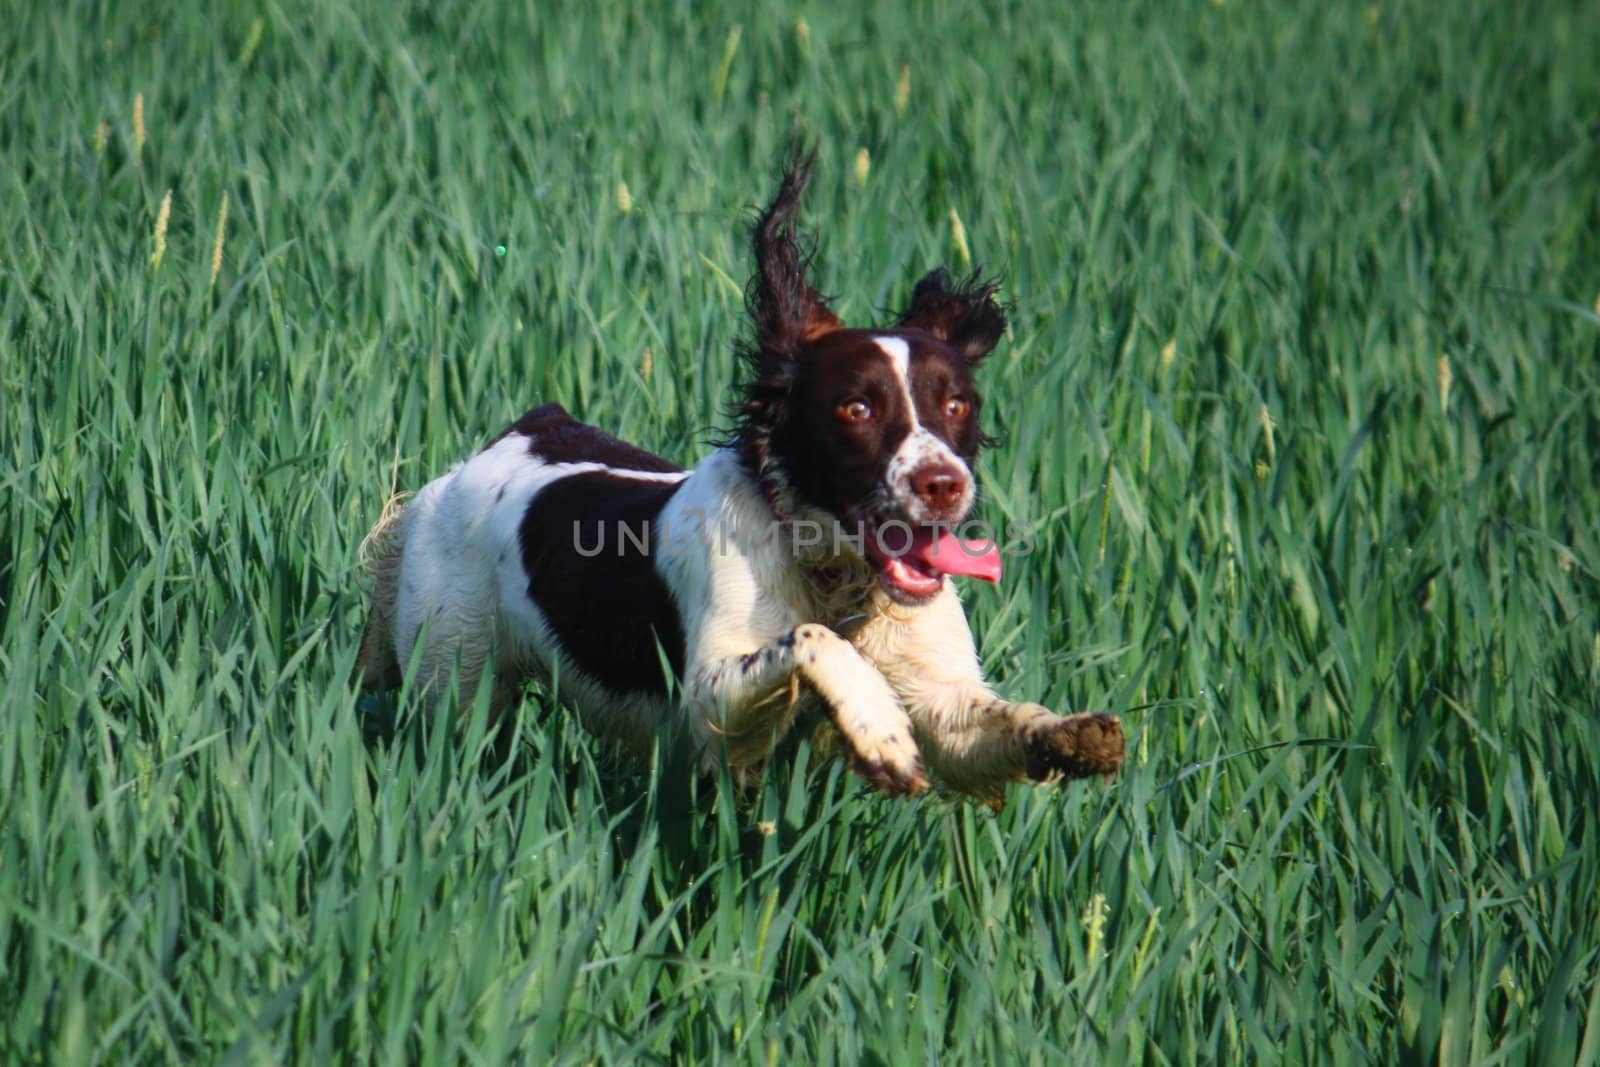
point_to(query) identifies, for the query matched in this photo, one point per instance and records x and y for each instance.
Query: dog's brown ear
(787, 311)
(964, 314)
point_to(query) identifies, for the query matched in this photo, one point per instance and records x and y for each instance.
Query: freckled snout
(942, 490)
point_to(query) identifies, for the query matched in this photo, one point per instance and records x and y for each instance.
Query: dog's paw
(1074, 746)
(892, 763)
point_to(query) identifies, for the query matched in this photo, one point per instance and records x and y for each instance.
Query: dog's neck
(839, 583)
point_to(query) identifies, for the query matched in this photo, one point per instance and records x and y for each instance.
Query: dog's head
(878, 428)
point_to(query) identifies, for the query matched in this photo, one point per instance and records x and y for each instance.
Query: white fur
(746, 606)
(461, 578)
(761, 632)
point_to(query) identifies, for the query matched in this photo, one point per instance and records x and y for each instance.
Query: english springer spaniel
(805, 563)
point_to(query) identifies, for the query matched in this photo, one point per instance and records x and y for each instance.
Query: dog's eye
(854, 411)
(957, 407)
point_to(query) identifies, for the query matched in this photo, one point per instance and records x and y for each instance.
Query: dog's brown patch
(588, 545)
(556, 436)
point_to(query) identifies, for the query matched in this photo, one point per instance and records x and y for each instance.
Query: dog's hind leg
(445, 602)
(377, 667)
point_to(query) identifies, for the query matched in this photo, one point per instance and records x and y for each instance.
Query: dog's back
(532, 556)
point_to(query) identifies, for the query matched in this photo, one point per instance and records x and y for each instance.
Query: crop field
(1301, 396)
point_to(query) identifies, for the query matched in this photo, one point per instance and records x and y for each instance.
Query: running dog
(805, 562)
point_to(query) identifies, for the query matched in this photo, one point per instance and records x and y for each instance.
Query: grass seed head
(138, 125)
(958, 237)
(216, 244)
(730, 48)
(252, 42)
(159, 237)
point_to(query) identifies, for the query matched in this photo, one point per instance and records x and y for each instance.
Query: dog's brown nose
(940, 488)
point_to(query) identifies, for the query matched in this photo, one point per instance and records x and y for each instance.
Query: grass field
(1301, 391)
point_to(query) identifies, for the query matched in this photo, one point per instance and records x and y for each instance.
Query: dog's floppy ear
(787, 311)
(964, 314)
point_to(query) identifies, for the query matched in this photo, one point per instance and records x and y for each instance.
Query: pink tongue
(949, 554)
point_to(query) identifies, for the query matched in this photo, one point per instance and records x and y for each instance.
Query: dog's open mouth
(912, 560)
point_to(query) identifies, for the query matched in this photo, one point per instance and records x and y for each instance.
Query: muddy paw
(893, 766)
(1074, 746)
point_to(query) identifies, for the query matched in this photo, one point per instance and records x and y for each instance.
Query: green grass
(1348, 601)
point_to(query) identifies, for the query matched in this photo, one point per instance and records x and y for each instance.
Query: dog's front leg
(975, 741)
(743, 703)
